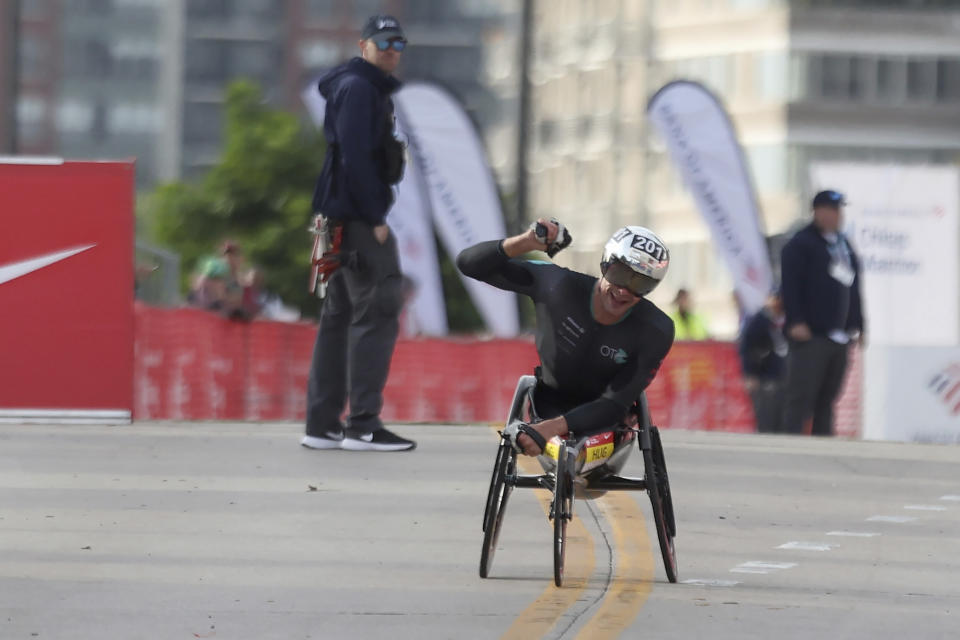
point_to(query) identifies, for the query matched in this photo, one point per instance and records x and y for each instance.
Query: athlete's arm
(492, 261)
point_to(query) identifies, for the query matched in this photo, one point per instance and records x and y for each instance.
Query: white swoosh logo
(14, 270)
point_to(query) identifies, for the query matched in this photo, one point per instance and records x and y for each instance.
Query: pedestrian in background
(359, 319)
(763, 354)
(820, 276)
(688, 324)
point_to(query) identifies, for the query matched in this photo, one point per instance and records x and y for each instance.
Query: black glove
(562, 241)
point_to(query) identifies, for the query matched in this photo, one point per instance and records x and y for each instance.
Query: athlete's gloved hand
(513, 430)
(561, 241)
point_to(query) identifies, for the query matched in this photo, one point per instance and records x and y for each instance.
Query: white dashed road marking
(806, 546)
(756, 566)
(925, 507)
(704, 582)
(951, 498)
(853, 534)
(897, 519)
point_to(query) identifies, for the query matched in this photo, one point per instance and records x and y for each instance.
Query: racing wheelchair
(583, 468)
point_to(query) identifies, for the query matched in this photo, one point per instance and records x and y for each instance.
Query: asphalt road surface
(209, 530)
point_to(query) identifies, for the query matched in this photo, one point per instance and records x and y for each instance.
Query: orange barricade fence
(194, 365)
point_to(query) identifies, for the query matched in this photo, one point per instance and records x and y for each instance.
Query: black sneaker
(325, 441)
(379, 440)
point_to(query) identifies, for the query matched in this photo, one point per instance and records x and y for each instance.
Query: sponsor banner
(913, 394)
(460, 189)
(703, 145)
(66, 290)
(195, 365)
(409, 219)
(904, 222)
(700, 387)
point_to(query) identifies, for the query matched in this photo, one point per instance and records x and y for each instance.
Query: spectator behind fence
(763, 352)
(259, 302)
(688, 324)
(820, 276)
(218, 284)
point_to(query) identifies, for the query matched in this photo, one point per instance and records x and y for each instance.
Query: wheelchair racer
(600, 341)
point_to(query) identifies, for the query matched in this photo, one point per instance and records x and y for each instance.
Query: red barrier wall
(66, 288)
(193, 365)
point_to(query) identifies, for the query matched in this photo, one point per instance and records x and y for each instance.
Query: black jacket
(359, 115)
(810, 293)
(762, 348)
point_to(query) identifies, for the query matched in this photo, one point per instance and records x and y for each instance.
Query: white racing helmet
(634, 258)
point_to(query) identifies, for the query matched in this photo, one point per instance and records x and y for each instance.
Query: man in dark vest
(820, 276)
(359, 320)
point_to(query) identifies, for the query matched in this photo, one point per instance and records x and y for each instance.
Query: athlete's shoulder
(653, 317)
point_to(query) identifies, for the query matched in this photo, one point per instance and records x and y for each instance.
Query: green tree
(259, 194)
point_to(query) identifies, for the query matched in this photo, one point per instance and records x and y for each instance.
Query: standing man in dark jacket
(359, 321)
(820, 276)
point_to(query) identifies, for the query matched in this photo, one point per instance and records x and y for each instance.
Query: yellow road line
(544, 612)
(633, 569)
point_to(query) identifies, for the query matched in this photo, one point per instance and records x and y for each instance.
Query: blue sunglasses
(398, 44)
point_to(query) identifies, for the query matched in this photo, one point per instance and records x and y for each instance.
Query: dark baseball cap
(381, 27)
(829, 198)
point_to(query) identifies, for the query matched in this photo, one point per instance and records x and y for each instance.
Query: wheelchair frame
(561, 481)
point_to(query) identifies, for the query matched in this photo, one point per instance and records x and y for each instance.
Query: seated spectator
(217, 286)
(763, 353)
(258, 302)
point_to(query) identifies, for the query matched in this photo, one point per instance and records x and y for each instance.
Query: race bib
(596, 450)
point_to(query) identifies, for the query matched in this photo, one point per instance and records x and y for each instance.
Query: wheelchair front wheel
(497, 496)
(562, 511)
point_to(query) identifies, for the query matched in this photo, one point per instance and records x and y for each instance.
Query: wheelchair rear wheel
(505, 464)
(658, 487)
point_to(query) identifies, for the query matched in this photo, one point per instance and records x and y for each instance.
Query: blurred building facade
(803, 81)
(146, 78)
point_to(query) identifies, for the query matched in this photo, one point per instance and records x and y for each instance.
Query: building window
(861, 71)
(835, 77)
(321, 9)
(948, 80)
(202, 123)
(33, 58)
(921, 80)
(35, 9)
(255, 60)
(89, 6)
(74, 116)
(319, 54)
(363, 9)
(206, 60)
(133, 118)
(890, 80)
(222, 9)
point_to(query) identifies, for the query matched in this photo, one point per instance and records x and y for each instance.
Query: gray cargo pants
(358, 331)
(815, 370)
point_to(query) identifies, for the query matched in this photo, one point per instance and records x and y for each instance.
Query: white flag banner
(409, 220)
(904, 223)
(462, 194)
(703, 145)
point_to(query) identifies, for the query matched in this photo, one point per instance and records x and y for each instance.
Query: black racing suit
(590, 373)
